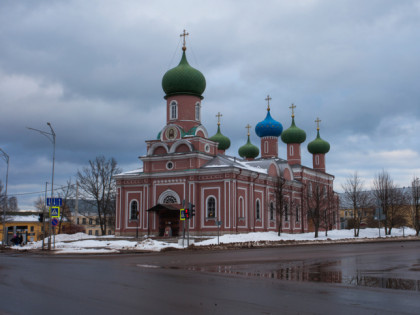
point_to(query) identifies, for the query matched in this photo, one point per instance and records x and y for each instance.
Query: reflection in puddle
(330, 272)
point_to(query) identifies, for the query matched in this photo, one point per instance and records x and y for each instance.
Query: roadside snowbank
(82, 243)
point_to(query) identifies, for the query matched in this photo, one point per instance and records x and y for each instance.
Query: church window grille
(169, 199)
(211, 207)
(134, 210)
(257, 210)
(174, 110)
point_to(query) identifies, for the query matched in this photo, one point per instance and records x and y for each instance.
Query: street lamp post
(5, 156)
(51, 137)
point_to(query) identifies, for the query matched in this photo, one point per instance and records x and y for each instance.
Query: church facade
(231, 194)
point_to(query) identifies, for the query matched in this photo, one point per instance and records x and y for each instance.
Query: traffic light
(41, 217)
(187, 213)
(192, 209)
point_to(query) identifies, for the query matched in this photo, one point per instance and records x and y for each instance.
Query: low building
(28, 225)
(84, 215)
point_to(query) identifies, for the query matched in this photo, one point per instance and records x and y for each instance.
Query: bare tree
(328, 211)
(382, 186)
(415, 203)
(97, 184)
(397, 212)
(314, 203)
(356, 197)
(66, 193)
(280, 202)
(321, 203)
(13, 203)
(391, 200)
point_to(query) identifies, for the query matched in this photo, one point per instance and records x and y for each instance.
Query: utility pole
(50, 136)
(6, 203)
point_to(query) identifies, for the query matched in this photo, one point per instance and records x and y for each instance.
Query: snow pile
(332, 235)
(83, 243)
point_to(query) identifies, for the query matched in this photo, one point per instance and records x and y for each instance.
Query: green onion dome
(318, 146)
(293, 134)
(223, 141)
(248, 150)
(183, 79)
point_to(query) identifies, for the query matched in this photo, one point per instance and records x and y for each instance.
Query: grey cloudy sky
(94, 68)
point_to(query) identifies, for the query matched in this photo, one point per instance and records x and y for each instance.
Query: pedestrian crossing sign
(54, 212)
(182, 214)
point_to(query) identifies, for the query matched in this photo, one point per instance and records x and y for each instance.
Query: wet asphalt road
(379, 278)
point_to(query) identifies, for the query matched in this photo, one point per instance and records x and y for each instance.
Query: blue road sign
(54, 212)
(54, 222)
(54, 202)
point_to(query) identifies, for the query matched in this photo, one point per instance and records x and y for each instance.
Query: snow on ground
(83, 243)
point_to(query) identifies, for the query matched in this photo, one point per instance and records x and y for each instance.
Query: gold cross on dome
(317, 123)
(293, 106)
(248, 127)
(184, 34)
(268, 99)
(218, 117)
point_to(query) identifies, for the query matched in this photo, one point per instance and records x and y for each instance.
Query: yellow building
(27, 225)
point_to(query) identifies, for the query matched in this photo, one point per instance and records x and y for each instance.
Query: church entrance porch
(168, 219)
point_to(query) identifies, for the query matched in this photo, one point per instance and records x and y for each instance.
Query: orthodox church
(183, 165)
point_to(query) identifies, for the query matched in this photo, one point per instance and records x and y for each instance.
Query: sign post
(219, 223)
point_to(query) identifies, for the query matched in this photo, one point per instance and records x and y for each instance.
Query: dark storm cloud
(94, 68)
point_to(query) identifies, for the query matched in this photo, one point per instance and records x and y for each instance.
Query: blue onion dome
(293, 134)
(248, 150)
(223, 141)
(183, 79)
(268, 127)
(318, 146)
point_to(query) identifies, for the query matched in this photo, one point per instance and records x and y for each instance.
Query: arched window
(241, 208)
(169, 199)
(134, 208)
(271, 211)
(310, 189)
(291, 150)
(265, 146)
(286, 212)
(257, 209)
(174, 110)
(211, 207)
(317, 160)
(197, 111)
(297, 213)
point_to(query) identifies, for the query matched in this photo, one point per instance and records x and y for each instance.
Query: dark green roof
(223, 141)
(293, 134)
(248, 150)
(183, 79)
(318, 146)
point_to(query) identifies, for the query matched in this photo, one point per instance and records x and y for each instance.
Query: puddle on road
(330, 272)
